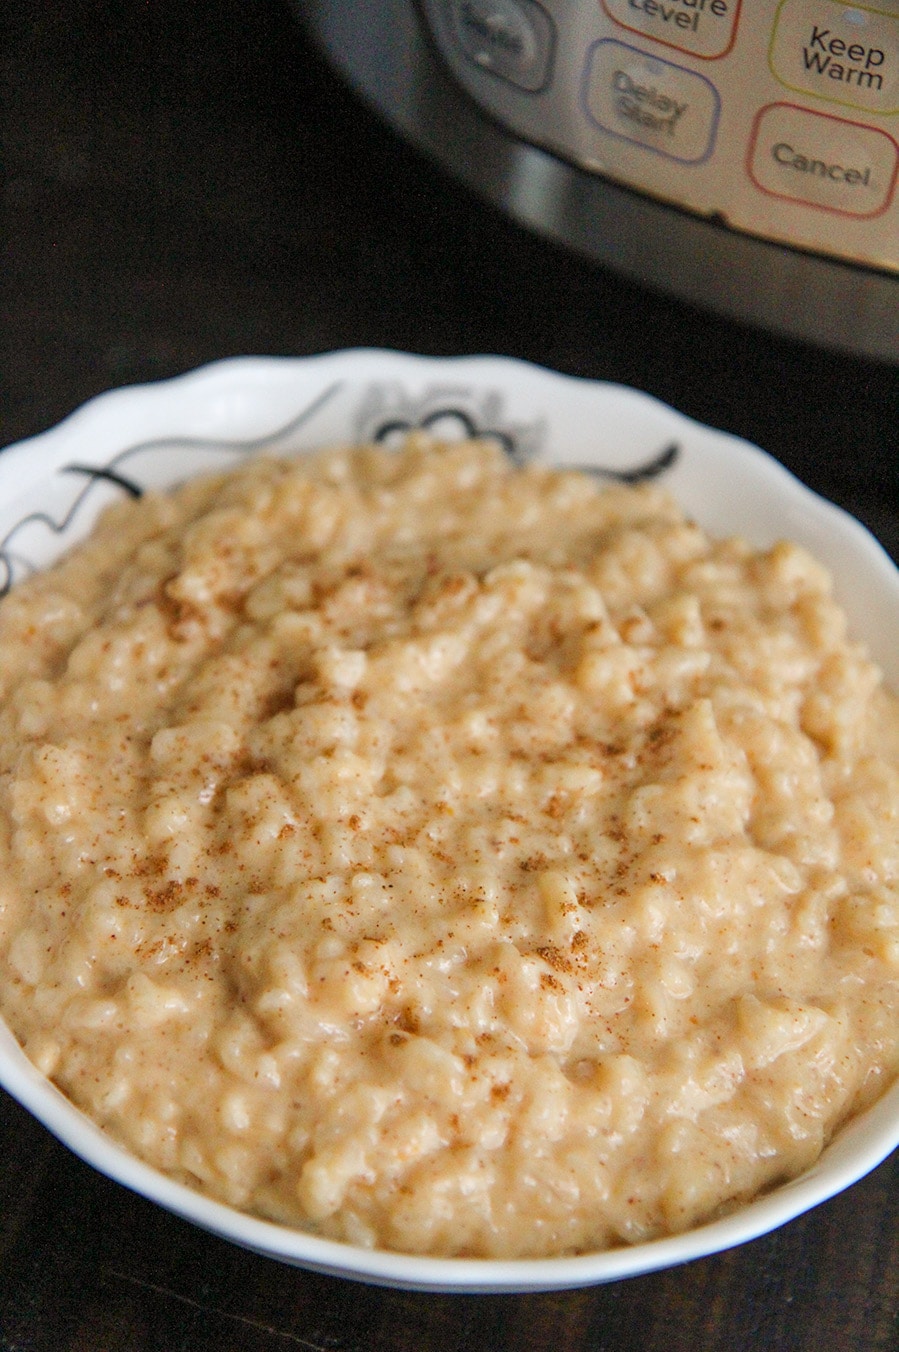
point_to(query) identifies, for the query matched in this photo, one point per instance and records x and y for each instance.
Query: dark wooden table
(189, 181)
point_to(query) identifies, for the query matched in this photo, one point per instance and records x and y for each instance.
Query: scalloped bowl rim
(179, 408)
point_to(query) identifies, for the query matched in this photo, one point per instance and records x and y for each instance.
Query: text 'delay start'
(653, 103)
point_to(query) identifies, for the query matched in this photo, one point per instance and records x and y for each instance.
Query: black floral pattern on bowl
(384, 413)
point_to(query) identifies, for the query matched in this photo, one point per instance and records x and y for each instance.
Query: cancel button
(786, 154)
(823, 161)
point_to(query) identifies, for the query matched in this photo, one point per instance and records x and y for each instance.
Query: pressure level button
(705, 28)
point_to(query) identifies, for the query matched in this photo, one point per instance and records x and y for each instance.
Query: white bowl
(52, 486)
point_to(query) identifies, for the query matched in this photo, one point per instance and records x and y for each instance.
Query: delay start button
(823, 161)
(656, 104)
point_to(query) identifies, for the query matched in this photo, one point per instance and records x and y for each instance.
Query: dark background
(188, 181)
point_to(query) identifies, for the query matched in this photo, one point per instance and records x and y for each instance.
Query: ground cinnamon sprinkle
(447, 856)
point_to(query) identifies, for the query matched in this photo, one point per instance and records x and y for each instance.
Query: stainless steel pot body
(741, 154)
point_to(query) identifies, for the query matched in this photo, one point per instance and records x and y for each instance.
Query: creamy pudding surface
(446, 856)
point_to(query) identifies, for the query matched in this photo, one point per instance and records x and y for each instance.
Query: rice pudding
(446, 856)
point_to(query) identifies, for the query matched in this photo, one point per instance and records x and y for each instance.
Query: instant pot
(742, 154)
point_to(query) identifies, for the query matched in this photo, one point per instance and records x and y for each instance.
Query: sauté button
(513, 39)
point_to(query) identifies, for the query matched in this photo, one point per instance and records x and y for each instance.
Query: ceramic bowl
(53, 486)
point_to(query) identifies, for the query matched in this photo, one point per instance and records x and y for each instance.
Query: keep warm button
(844, 53)
(823, 161)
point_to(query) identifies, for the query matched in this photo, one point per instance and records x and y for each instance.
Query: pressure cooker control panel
(781, 119)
